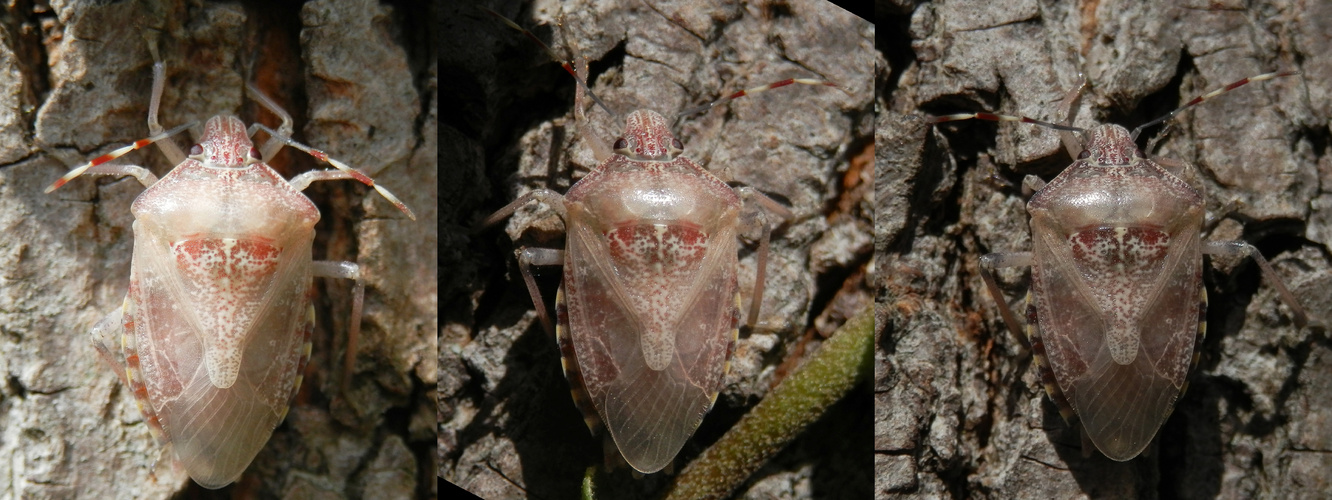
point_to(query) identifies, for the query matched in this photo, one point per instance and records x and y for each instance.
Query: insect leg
(1031, 184)
(1071, 141)
(528, 257)
(169, 148)
(760, 219)
(600, 150)
(552, 199)
(990, 262)
(1240, 248)
(270, 148)
(351, 271)
(108, 337)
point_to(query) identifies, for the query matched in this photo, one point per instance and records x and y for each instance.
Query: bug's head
(225, 144)
(647, 138)
(1110, 145)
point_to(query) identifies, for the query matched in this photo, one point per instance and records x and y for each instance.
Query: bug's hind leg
(351, 271)
(1240, 248)
(759, 219)
(990, 262)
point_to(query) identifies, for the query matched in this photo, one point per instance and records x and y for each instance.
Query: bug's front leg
(552, 199)
(1241, 249)
(990, 262)
(759, 219)
(1071, 142)
(351, 271)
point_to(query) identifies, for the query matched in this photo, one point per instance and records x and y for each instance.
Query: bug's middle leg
(990, 262)
(759, 218)
(528, 257)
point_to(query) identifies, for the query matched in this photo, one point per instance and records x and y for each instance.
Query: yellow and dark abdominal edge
(569, 364)
(1202, 334)
(1047, 375)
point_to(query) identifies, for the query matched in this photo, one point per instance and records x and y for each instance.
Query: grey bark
(508, 426)
(960, 411)
(360, 78)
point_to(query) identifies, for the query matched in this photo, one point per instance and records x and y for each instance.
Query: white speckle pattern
(1121, 262)
(226, 278)
(660, 260)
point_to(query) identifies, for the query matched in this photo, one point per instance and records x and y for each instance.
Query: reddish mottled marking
(650, 271)
(228, 278)
(1116, 262)
(221, 277)
(1102, 251)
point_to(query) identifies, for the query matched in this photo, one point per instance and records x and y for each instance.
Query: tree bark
(509, 428)
(360, 80)
(960, 410)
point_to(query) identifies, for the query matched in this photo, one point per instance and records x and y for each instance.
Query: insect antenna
(567, 65)
(343, 171)
(117, 154)
(755, 90)
(1209, 95)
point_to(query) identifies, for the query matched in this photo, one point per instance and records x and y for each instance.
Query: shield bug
(1116, 308)
(214, 331)
(648, 312)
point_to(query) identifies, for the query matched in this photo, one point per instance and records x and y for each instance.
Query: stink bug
(214, 332)
(1116, 306)
(650, 249)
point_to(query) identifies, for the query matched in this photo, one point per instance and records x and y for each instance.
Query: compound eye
(196, 150)
(1086, 153)
(254, 154)
(621, 146)
(675, 143)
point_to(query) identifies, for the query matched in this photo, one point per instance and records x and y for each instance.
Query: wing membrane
(216, 432)
(1120, 405)
(649, 413)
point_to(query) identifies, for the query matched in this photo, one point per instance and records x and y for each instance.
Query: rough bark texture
(359, 77)
(960, 411)
(508, 425)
